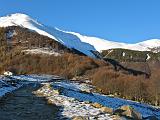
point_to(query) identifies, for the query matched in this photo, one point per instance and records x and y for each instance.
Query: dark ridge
(118, 66)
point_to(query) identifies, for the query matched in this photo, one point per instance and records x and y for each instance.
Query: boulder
(107, 110)
(87, 102)
(116, 117)
(49, 101)
(80, 118)
(96, 105)
(8, 73)
(128, 112)
(55, 92)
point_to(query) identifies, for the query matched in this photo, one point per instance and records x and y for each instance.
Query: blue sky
(118, 20)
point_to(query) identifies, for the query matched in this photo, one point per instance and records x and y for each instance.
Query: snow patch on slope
(5, 87)
(42, 51)
(10, 34)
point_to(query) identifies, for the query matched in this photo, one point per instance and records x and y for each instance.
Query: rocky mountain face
(144, 61)
(26, 39)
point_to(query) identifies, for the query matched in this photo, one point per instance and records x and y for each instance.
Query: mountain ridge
(82, 43)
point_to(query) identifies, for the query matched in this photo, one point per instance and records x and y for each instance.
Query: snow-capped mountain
(82, 43)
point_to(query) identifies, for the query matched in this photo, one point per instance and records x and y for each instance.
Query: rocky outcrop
(107, 110)
(128, 112)
(96, 105)
(80, 118)
(72, 108)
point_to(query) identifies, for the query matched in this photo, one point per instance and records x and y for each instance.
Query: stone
(96, 105)
(116, 117)
(47, 86)
(87, 102)
(7, 73)
(55, 92)
(80, 118)
(49, 101)
(128, 112)
(74, 78)
(107, 110)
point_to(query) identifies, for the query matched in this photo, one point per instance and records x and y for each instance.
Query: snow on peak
(151, 43)
(67, 39)
(84, 44)
(25, 21)
(16, 19)
(102, 44)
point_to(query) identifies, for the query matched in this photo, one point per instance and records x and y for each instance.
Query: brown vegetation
(70, 65)
(136, 88)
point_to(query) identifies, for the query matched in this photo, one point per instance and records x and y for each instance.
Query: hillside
(25, 51)
(82, 43)
(28, 47)
(127, 55)
(145, 61)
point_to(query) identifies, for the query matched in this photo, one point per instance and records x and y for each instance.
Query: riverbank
(22, 104)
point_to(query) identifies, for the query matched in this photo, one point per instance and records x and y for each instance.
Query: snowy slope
(25, 21)
(102, 44)
(71, 39)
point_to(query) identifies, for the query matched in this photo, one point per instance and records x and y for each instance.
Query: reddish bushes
(127, 86)
(70, 65)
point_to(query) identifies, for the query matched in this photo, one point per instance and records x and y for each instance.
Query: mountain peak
(17, 19)
(21, 15)
(23, 20)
